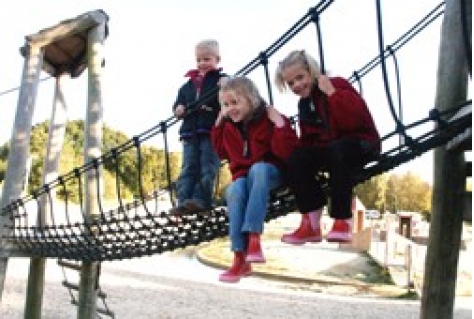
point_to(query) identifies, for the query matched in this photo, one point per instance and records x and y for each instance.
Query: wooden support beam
(444, 242)
(92, 150)
(57, 131)
(19, 145)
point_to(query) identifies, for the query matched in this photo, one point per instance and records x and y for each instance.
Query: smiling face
(236, 106)
(298, 79)
(206, 60)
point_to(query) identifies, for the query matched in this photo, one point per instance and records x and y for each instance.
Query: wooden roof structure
(65, 44)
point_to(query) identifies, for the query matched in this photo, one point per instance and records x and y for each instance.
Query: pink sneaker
(341, 232)
(304, 234)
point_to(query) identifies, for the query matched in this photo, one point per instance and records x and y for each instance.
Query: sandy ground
(172, 287)
(176, 285)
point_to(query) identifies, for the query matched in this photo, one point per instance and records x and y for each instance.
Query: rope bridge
(139, 228)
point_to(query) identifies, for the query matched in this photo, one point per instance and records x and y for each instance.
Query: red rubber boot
(341, 231)
(254, 249)
(239, 269)
(304, 234)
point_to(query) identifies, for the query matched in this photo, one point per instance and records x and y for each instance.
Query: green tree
(121, 173)
(415, 194)
(372, 192)
(394, 192)
(408, 192)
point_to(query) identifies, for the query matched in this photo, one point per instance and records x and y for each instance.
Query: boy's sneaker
(193, 207)
(341, 231)
(304, 234)
(179, 210)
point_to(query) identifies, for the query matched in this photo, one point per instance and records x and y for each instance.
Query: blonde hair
(243, 87)
(297, 57)
(210, 45)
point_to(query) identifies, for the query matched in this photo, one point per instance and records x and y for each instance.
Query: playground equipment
(133, 229)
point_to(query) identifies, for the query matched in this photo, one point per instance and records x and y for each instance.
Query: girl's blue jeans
(247, 199)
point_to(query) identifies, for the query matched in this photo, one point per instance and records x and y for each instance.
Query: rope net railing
(129, 229)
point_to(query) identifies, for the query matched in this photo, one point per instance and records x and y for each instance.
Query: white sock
(315, 218)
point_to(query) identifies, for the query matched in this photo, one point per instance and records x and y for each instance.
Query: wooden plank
(69, 27)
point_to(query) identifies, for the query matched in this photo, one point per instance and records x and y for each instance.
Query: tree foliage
(134, 172)
(394, 192)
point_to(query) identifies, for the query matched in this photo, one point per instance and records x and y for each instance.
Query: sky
(151, 46)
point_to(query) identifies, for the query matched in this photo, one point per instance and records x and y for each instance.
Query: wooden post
(57, 130)
(358, 218)
(92, 150)
(444, 240)
(20, 143)
(388, 236)
(409, 265)
(359, 221)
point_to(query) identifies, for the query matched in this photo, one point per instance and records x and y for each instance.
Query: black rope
(116, 164)
(127, 232)
(287, 36)
(167, 162)
(79, 192)
(401, 41)
(399, 125)
(264, 62)
(19, 87)
(62, 185)
(357, 78)
(41, 219)
(141, 192)
(126, 235)
(315, 20)
(98, 181)
(324, 99)
(399, 95)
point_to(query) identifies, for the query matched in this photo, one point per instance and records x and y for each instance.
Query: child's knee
(234, 193)
(259, 171)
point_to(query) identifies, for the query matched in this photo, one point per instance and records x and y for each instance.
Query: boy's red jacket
(257, 141)
(345, 114)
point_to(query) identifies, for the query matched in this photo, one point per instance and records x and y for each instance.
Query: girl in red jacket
(256, 140)
(337, 135)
